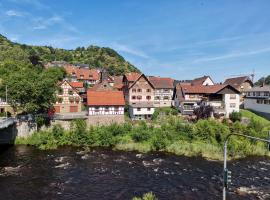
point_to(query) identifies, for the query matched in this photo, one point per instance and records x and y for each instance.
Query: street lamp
(226, 172)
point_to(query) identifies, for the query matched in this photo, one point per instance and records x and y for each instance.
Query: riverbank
(171, 134)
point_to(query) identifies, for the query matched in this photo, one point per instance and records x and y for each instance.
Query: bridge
(8, 130)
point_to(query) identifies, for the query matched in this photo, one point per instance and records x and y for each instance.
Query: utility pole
(226, 172)
(6, 101)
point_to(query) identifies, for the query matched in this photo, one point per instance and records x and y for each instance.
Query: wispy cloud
(129, 50)
(36, 3)
(14, 13)
(232, 55)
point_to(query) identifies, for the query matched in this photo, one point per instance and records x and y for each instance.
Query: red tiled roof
(83, 73)
(201, 89)
(118, 82)
(132, 76)
(159, 82)
(76, 84)
(105, 98)
(237, 81)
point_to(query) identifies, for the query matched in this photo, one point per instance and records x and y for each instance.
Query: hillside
(94, 56)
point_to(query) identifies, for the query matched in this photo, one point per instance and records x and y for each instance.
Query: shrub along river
(73, 173)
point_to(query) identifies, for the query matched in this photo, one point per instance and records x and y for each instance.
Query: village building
(128, 80)
(141, 98)
(204, 80)
(242, 84)
(68, 99)
(163, 92)
(258, 99)
(223, 98)
(90, 76)
(5, 108)
(105, 107)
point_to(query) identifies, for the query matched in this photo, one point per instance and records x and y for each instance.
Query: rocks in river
(8, 171)
(63, 165)
(60, 159)
(157, 160)
(260, 193)
(139, 155)
(84, 157)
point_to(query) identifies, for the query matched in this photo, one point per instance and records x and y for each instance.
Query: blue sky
(181, 39)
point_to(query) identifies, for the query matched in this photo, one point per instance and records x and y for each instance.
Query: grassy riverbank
(171, 134)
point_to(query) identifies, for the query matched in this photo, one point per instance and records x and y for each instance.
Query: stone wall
(105, 120)
(25, 128)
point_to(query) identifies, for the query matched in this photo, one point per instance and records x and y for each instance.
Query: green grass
(248, 114)
(173, 135)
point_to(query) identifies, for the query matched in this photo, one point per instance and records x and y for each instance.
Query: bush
(235, 116)
(147, 196)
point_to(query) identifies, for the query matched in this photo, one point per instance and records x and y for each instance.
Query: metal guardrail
(6, 122)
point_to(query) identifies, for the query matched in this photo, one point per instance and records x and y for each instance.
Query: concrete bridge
(8, 131)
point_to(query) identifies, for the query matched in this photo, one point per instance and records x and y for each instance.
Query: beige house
(141, 98)
(242, 84)
(68, 99)
(5, 108)
(163, 92)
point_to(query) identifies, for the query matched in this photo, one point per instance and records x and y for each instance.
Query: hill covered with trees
(94, 56)
(263, 80)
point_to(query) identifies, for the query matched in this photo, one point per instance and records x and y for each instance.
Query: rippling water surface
(70, 173)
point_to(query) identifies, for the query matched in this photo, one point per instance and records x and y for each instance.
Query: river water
(27, 173)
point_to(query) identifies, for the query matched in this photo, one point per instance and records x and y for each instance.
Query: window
(166, 98)
(266, 101)
(96, 109)
(2, 110)
(248, 93)
(257, 94)
(148, 90)
(266, 94)
(133, 90)
(138, 109)
(157, 97)
(148, 97)
(148, 109)
(259, 101)
(71, 99)
(106, 109)
(139, 90)
(70, 92)
(133, 97)
(90, 76)
(232, 96)
(139, 97)
(254, 94)
(232, 105)
(81, 76)
(191, 96)
(166, 90)
(116, 109)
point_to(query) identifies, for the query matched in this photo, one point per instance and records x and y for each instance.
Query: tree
(203, 112)
(30, 89)
(263, 80)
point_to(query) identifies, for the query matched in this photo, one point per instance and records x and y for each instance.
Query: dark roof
(237, 81)
(264, 88)
(200, 80)
(160, 82)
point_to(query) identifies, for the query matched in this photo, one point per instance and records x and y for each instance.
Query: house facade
(163, 92)
(258, 99)
(68, 99)
(5, 108)
(242, 84)
(128, 80)
(223, 98)
(105, 103)
(204, 80)
(141, 98)
(90, 76)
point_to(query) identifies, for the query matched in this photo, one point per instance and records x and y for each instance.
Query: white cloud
(129, 50)
(232, 55)
(13, 13)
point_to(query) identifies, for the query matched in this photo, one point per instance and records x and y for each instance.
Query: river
(27, 173)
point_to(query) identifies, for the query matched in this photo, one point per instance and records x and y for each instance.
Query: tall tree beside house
(94, 56)
(263, 80)
(31, 89)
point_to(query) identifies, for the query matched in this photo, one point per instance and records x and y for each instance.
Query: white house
(258, 100)
(105, 103)
(223, 98)
(141, 110)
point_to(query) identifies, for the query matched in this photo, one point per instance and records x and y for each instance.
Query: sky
(182, 39)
